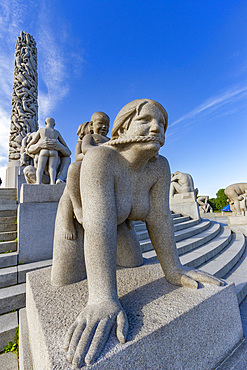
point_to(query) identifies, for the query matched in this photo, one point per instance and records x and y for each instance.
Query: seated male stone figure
(181, 183)
(50, 151)
(123, 179)
(237, 194)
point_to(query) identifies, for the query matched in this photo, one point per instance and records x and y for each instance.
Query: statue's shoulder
(162, 162)
(101, 153)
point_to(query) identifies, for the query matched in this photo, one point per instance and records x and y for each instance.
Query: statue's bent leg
(73, 184)
(68, 264)
(63, 169)
(129, 252)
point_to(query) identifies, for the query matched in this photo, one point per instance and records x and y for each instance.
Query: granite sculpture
(181, 183)
(49, 154)
(24, 118)
(91, 134)
(183, 195)
(204, 206)
(121, 181)
(237, 194)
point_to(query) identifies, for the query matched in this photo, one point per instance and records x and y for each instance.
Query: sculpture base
(36, 221)
(170, 327)
(238, 224)
(186, 204)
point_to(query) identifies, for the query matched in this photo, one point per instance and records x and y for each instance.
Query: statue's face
(149, 122)
(100, 127)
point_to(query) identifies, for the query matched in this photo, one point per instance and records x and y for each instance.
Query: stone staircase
(201, 244)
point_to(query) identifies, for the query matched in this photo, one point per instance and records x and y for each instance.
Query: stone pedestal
(238, 224)
(170, 327)
(186, 204)
(36, 221)
(12, 172)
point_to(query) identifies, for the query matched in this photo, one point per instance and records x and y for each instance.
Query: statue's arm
(34, 140)
(103, 310)
(161, 231)
(78, 154)
(87, 143)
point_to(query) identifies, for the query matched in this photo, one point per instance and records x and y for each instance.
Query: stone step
(185, 225)
(9, 207)
(8, 213)
(12, 298)
(175, 215)
(8, 227)
(191, 231)
(9, 235)
(238, 275)
(177, 220)
(8, 276)
(8, 259)
(208, 251)
(225, 261)
(27, 267)
(146, 244)
(143, 235)
(8, 220)
(196, 241)
(8, 325)
(8, 246)
(7, 201)
(17, 274)
(141, 226)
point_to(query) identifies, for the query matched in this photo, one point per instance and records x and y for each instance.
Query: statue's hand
(190, 277)
(89, 333)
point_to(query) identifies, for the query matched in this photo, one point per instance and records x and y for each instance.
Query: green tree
(219, 202)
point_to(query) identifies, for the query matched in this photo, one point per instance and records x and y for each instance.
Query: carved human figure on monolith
(181, 183)
(121, 181)
(24, 118)
(237, 194)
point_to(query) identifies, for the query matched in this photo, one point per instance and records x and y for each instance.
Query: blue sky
(191, 56)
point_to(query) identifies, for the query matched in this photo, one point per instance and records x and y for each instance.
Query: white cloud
(54, 65)
(213, 103)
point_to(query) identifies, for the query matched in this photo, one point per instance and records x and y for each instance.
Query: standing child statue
(91, 134)
(48, 156)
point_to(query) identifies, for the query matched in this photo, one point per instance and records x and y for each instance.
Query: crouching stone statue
(122, 180)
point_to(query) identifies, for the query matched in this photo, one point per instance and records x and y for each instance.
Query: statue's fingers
(122, 326)
(68, 336)
(75, 340)
(83, 345)
(187, 281)
(100, 337)
(204, 277)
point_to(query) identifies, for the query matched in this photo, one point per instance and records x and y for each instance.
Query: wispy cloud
(54, 64)
(229, 96)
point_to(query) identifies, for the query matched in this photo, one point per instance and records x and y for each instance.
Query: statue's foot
(59, 181)
(70, 232)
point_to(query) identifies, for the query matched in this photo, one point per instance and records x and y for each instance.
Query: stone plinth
(36, 221)
(170, 327)
(238, 224)
(186, 204)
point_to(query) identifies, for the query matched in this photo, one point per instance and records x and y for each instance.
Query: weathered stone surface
(170, 327)
(238, 224)
(237, 194)
(30, 193)
(122, 180)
